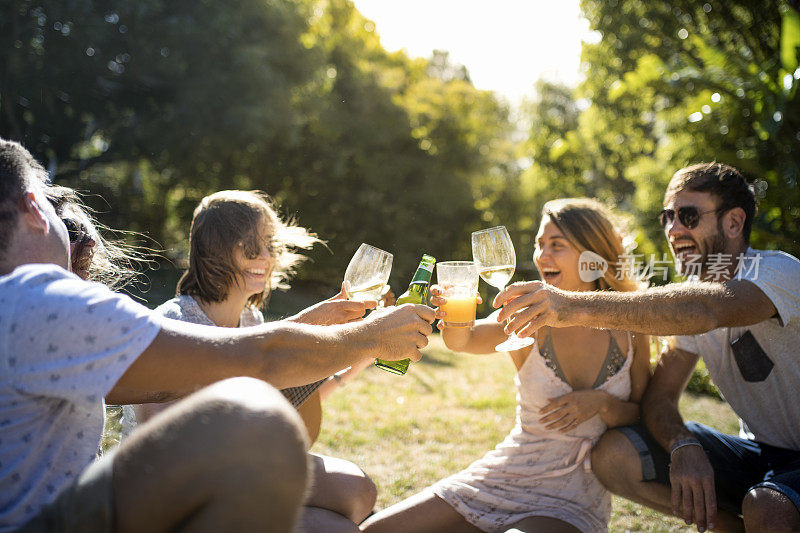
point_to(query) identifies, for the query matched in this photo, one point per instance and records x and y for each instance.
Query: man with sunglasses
(740, 312)
(229, 457)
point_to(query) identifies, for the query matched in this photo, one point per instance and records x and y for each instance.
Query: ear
(32, 214)
(733, 223)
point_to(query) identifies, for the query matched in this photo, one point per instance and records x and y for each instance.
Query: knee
(365, 494)
(615, 461)
(765, 509)
(341, 486)
(245, 427)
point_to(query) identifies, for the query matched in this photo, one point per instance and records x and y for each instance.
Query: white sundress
(536, 471)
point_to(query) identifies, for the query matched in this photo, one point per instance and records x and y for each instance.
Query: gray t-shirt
(767, 405)
(64, 343)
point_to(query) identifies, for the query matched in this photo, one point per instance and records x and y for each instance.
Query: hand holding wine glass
(493, 251)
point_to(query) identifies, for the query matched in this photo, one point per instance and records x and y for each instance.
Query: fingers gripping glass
(493, 251)
(689, 216)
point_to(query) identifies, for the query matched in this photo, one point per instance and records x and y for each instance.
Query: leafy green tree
(683, 81)
(152, 105)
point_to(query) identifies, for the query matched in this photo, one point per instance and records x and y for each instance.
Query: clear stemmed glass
(493, 251)
(367, 273)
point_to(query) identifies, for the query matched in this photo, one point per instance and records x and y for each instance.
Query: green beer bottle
(417, 293)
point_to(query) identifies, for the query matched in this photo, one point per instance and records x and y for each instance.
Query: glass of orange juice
(459, 283)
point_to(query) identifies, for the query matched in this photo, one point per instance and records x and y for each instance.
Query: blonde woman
(573, 384)
(239, 250)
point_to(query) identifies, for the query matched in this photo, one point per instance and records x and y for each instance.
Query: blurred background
(148, 106)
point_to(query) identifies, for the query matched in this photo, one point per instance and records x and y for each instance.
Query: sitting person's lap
(739, 464)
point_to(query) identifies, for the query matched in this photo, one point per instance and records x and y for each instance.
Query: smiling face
(557, 259)
(694, 246)
(254, 260)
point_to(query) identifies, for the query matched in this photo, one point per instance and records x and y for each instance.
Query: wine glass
(493, 251)
(367, 273)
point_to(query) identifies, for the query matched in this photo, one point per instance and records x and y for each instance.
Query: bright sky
(506, 45)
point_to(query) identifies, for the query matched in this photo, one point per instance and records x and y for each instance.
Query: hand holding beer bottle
(417, 293)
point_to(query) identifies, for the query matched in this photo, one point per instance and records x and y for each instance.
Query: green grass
(409, 431)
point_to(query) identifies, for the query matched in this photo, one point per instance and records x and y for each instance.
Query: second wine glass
(493, 251)
(367, 273)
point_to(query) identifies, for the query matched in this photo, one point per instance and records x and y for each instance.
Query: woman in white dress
(573, 384)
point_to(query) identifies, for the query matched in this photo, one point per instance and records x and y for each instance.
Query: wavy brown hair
(227, 219)
(589, 225)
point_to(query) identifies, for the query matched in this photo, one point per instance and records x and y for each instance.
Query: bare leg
(316, 520)
(769, 510)
(617, 465)
(341, 489)
(311, 413)
(231, 457)
(542, 524)
(422, 513)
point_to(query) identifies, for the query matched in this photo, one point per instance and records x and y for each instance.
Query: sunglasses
(74, 230)
(689, 216)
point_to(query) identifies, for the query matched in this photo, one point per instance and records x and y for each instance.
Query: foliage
(701, 383)
(154, 104)
(669, 83)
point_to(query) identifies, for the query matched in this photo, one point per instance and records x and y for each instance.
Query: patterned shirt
(64, 343)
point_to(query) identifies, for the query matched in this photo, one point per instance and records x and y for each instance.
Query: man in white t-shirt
(230, 457)
(740, 312)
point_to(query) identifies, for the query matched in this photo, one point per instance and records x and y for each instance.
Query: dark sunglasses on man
(689, 216)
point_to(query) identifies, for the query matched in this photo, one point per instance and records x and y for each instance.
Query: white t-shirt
(64, 343)
(768, 409)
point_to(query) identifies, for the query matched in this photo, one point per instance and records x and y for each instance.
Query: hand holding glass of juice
(458, 281)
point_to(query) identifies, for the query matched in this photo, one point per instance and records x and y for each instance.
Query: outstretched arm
(676, 309)
(184, 357)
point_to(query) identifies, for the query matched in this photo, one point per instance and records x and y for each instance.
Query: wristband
(683, 442)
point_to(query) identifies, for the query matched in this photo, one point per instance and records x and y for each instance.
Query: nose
(263, 251)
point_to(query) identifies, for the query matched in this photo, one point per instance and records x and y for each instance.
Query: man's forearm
(291, 354)
(679, 309)
(185, 357)
(662, 418)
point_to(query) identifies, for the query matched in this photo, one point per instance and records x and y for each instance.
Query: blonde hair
(589, 225)
(227, 219)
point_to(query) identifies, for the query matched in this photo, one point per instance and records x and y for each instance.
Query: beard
(713, 246)
(698, 263)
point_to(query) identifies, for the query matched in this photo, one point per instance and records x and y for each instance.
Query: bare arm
(676, 309)
(690, 473)
(660, 402)
(184, 357)
(479, 339)
(622, 413)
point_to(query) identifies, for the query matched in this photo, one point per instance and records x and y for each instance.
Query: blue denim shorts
(739, 464)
